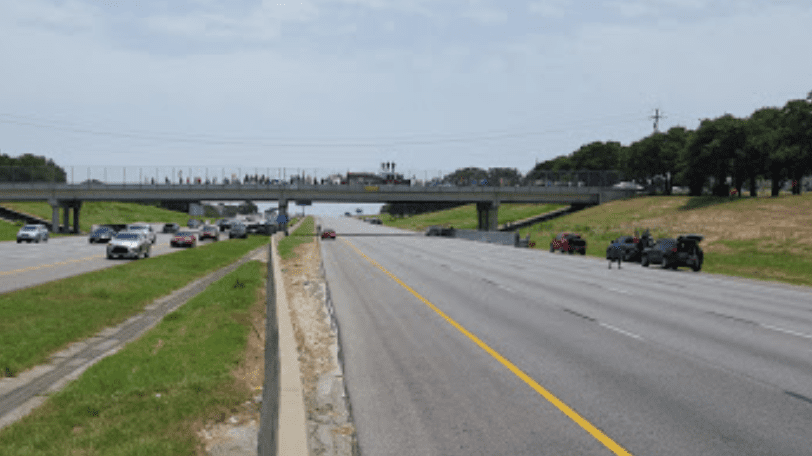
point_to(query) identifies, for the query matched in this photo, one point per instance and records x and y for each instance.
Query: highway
(454, 347)
(25, 265)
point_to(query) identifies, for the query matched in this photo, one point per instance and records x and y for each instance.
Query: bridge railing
(176, 175)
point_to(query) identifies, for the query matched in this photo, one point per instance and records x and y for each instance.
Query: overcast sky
(347, 84)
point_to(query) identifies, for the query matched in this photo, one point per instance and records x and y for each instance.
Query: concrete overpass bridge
(583, 188)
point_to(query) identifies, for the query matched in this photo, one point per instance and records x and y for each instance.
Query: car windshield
(127, 237)
(169, 225)
(184, 233)
(29, 228)
(137, 227)
(103, 229)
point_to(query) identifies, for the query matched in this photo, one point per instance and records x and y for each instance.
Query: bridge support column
(65, 217)
(283, 210)
(77, 205)
(487, 216)
(54, 216)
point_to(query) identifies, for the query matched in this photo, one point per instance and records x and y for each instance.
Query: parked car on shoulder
(328, 233)
(237, 229)
(629, 248)
(673, 253)
(170, 228)
(102, 234)
(145, 228)
(184, 239)
(193, 223)
(33, 233)
(376, 221)
(568, 242)
(129, 244)
(210, 232)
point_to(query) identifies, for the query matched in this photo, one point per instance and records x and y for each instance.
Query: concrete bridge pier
(487, 216)
(77, 206)
(66, 206)
(54, 216)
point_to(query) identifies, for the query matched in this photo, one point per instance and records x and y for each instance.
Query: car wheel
(109, 257)
(19, 241)
(666, 264)
(644, 261)
(90, 241)
(582, 252)
(146, 254)
(570, 252)
(36, 240)
(552, 249)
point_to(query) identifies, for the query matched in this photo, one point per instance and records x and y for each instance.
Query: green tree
(762, 136)
(797, 140)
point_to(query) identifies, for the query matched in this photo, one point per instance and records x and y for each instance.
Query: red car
(328, 234)
(184, 238)
(568, 242)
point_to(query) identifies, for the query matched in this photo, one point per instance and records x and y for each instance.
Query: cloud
(549, 8)
(68, 16)
(263, 23)
(484, 14)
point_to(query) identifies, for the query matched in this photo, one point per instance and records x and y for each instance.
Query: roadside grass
(8, 231)
(189, 359)
(304, 234)
(465, 217)
(760, 238)
(38, 321)
(100, 212)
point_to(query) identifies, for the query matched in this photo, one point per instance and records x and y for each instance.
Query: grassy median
(38, 321)
(304, 234)
(150, 398)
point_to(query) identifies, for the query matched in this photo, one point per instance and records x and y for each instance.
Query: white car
(129, 244)
(145, 228)
(35, 233)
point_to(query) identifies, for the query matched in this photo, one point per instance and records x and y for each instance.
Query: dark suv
(673, 253)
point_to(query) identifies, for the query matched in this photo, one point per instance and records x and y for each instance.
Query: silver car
(34, 233)
(144, 228)
(129, 244)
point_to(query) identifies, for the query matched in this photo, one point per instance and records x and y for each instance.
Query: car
(145, 228)
(328, 233)
(193, 223)
(222, 224)
(237, 229)
(32, 233)
(376, 221)
(170, 228)
(210, 232)
(347, 214)
(673, 253)
(629, 248)
(129, 244)
(184, 238)
(568, 242)
(102, 233)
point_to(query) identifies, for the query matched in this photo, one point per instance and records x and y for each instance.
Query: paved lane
(661, 362)
(24, 265)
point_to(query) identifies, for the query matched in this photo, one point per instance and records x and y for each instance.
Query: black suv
(673, 253)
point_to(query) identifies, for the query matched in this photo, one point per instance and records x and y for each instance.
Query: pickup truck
(568, 242)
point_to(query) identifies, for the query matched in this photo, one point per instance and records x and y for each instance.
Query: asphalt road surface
(24, 265)
(583, 360)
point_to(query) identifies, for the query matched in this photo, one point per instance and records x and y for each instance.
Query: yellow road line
(564, 408)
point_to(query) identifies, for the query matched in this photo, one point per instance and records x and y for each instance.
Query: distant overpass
(69, 196)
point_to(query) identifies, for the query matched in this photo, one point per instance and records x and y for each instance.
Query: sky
(336, 85)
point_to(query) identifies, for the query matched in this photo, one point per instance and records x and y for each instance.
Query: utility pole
(657, 118)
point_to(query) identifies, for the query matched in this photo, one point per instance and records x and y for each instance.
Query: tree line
(772, 143)
(30, 168)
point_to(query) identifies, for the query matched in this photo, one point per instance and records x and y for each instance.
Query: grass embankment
(41, 320)
(760, 238)
(304, 234)
(151, 397)
(465, 217)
